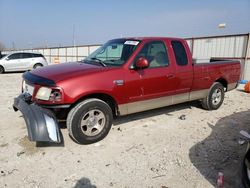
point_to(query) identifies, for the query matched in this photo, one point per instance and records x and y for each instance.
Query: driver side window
(156, 54)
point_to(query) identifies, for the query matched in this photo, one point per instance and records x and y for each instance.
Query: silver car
(21, 61)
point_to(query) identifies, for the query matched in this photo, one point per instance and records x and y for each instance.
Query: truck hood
(64, 71)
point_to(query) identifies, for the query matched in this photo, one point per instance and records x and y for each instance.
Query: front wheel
(1, 70)
(89, 121)
(214, 98)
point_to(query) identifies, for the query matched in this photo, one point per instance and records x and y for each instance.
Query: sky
(39, 23)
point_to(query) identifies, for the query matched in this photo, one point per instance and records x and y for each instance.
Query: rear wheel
(1, 70)
(214, 98)
(38, 65)
(89, 121)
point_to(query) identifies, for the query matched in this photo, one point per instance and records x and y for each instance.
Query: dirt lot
(150, 149)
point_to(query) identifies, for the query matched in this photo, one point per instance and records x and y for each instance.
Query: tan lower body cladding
(140, 106)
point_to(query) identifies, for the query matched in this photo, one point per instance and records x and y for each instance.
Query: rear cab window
(179, 53)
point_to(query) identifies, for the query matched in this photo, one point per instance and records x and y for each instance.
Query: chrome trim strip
(231, 86)
(140, 106)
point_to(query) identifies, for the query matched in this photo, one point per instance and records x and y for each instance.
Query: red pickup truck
(123, 76)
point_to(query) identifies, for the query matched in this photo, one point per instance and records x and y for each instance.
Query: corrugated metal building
(234, 47)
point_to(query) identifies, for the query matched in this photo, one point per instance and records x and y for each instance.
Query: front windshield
(113, 53)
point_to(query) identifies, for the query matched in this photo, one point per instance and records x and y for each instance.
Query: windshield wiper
(99, 61)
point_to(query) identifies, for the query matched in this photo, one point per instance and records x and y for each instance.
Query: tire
(89, 121)
(214, 98)
(245, 177)
(38, 65)
(1, 70)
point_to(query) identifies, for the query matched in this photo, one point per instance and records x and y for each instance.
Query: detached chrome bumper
(40, 122)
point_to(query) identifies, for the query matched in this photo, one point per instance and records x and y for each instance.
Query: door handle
(170, 76)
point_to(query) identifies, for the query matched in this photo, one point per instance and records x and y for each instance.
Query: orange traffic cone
(247, 87)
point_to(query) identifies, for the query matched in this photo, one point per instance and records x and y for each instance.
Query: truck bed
(206, 73)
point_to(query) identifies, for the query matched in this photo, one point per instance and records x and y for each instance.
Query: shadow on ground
(84, 183)
(133, 117)
(221, 152)
(14, 72)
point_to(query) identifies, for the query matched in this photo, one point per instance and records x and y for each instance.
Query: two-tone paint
(132, 90)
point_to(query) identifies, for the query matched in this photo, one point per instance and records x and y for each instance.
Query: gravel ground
(149, 149)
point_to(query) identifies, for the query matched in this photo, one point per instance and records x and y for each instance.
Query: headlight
(43, 93)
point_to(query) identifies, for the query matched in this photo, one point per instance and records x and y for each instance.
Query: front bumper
(41, 123)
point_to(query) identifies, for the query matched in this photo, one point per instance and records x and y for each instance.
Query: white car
(21, 61)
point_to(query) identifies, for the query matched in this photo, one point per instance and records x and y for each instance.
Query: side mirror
(141, 63)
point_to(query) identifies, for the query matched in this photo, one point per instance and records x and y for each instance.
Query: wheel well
(2, 67)
(37, 64)
(104, 97)
(223, 82)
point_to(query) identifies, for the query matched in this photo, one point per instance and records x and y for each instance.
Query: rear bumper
(41, 123)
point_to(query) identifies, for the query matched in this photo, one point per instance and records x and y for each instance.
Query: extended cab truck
(123, 76)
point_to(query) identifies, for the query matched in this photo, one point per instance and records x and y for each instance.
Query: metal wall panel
(247, 71)
(189, 42)
(48, 59)
(54, 52)
(36, 50)
(71, 52)
(219, 47)
(46, 52)
(93, 48)
(81, 58)
(62, 52)
(83, 51)
(202, 48)
(62, 59)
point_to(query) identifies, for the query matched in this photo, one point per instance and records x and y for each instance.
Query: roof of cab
(151, 38)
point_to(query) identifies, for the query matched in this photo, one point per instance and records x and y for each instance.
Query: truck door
(184, 71)
(155, 84)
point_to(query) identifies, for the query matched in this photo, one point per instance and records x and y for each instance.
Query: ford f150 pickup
(124, 76)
